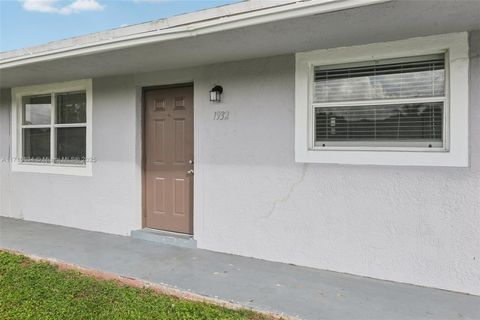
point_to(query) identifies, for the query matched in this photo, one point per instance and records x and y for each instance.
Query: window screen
(390, 103)
(71, 133)
(66, 130)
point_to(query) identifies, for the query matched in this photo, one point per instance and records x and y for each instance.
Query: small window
(398, 103)
(53, 131)
(67, 131)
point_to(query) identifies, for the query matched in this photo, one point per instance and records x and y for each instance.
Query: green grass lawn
(38, 290)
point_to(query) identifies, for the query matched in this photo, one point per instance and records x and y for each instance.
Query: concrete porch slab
(164, 237)
(292, 290)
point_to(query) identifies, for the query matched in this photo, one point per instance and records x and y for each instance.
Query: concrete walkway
(296, 291)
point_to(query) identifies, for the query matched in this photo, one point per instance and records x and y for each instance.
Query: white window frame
(17, 110)
(455, 151)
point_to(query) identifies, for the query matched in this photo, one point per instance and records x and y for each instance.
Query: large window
(397, 103)
(53, 128)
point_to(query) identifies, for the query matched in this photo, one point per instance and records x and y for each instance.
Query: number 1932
(221, 115)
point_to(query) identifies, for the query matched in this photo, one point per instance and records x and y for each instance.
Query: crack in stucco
(289, 193)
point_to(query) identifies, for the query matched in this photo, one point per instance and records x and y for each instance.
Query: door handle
(190, 172)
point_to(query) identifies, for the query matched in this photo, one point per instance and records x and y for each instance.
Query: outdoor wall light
(216, 94)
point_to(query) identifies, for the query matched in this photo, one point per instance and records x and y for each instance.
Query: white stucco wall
(110, 200)
(407, 224)
(4, 150)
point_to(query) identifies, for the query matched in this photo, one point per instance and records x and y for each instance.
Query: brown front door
(169, 159)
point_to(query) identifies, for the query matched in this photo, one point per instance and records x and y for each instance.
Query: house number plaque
(221, 115)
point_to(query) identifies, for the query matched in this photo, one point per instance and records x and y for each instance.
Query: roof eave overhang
(289, 11)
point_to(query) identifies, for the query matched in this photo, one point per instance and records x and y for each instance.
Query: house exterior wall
(409, 224)
(109, 200)
(4, 149)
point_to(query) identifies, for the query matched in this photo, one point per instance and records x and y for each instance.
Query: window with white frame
(394, 103)
(397, 103)
(52, 128)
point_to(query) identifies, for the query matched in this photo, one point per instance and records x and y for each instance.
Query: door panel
(180, 141)
(179, 196)
(159, 142)
(169, 159)
(159, 193)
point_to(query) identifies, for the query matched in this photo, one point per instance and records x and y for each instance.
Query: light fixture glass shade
(216, 94)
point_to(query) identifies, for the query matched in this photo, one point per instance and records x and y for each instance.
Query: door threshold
(165, 237)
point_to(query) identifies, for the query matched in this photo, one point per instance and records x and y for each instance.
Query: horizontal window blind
(381, 80)
(352, 108)
(404, 124)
